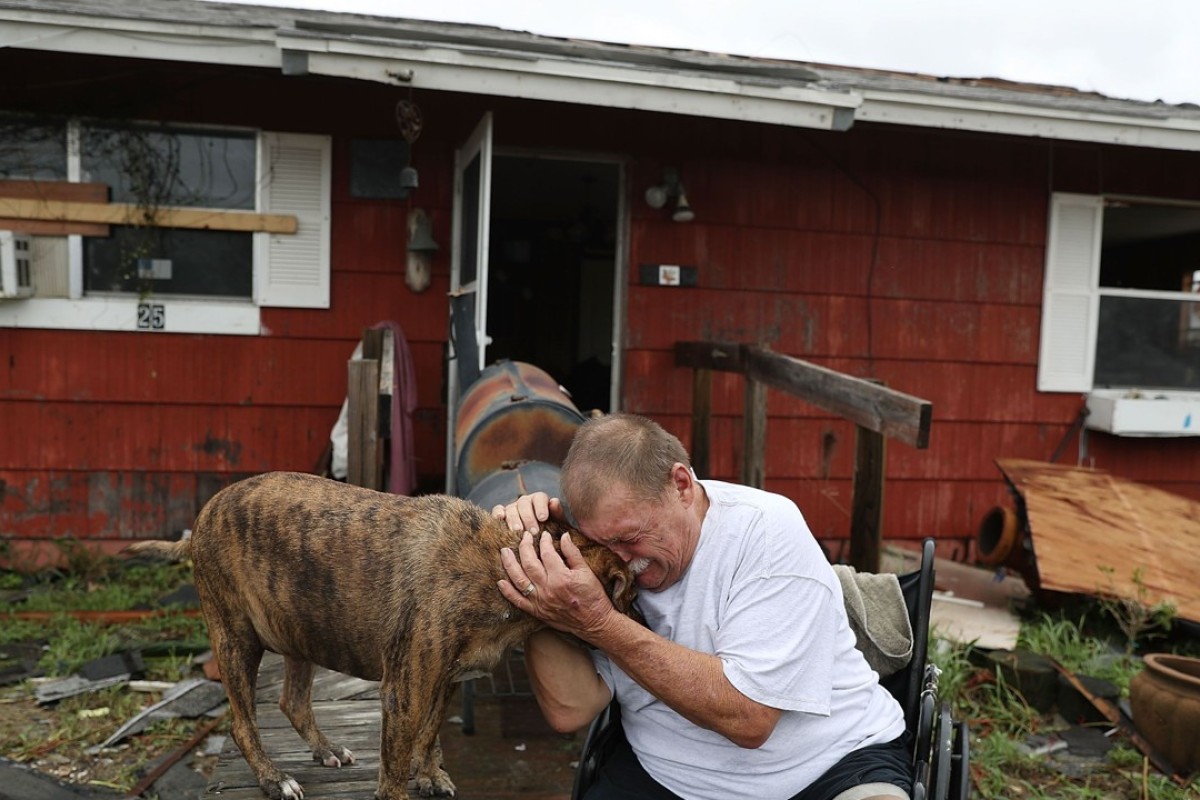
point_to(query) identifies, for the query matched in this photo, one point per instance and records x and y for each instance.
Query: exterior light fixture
(670, 189)
(418, 269)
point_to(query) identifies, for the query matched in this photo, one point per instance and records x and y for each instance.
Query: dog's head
(613, 573)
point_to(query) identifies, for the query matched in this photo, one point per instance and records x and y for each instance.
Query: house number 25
(151, 316)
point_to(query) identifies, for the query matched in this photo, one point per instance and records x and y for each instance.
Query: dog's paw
(284, 789)
(436, 783)
(333, 757)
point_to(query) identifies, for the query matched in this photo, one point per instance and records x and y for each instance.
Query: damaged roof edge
(574, 80)
(494, 61)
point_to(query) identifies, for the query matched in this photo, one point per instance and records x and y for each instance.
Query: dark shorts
(623, 778)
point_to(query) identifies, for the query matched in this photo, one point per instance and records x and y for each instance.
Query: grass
(1001, 721)
(55, 739)
(97, 584)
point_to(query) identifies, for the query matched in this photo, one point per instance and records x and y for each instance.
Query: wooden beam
(754, 435)
(874, 407)
(54, 190)
(878, 408)
(128, 214)
(866, 508)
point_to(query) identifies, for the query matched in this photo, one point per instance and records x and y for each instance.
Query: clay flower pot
(1165, 697)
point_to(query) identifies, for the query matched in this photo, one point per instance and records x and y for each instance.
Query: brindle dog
(395, 589)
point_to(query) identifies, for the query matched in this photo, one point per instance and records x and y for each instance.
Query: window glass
(159, 168)
(1148, 343)
(32, 149)
(170, 261)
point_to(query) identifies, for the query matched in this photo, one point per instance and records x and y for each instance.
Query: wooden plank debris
(1097, 534)
(130, 214)
(54, 190)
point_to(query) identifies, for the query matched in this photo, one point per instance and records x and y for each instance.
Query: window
(32, 149)
(1122, 295)
(203, 226)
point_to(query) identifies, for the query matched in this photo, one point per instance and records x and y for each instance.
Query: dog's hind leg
(296, 704)
(239, 652)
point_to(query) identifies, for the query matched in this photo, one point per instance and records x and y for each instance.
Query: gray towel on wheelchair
(878, 617)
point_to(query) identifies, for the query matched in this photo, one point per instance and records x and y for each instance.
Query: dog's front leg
(413, 701)
(428, 768)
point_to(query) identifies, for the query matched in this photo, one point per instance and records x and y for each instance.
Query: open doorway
(551, 270)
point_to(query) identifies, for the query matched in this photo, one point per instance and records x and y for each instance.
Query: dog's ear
(618, 580)
(623, 591)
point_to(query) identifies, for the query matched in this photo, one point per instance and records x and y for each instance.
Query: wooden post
(866, 514)
(754, 430)
(372, 344)
(701, 420)
(363, 465)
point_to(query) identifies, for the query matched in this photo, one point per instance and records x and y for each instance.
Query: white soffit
(1026, 120)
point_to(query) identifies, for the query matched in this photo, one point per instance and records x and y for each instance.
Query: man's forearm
(691, 683)
(564, 681)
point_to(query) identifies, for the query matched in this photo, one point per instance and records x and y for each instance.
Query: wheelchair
(941, 747)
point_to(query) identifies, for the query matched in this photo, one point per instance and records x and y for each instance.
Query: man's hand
(565, 594)
(529, 511)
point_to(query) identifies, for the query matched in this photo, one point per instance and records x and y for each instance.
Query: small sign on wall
(151, 317)
(667, 275)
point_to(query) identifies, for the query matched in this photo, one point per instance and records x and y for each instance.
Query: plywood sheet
(1095, 533)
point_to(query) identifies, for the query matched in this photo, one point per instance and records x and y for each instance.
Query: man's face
(654, 538)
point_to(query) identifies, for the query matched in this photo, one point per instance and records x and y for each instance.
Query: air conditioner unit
(16, 265)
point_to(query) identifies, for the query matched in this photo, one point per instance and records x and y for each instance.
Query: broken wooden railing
(877, 411)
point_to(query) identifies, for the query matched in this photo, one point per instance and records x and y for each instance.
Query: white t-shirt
(761, 595)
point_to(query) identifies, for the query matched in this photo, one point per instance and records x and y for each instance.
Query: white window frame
(290, 270)
(1070, 326)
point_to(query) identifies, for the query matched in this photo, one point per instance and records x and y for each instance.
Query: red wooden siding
(910, 256)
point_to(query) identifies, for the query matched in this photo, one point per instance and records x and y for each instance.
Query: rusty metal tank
(513, 480)
(513, 412)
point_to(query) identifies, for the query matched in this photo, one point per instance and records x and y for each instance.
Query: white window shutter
(292, 270)
(1070, 300)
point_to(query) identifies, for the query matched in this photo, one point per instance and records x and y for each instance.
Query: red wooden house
(220, 206)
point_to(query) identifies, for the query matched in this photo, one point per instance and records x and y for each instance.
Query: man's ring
(528, 590)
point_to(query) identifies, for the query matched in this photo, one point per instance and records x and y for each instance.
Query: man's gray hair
(619, 448)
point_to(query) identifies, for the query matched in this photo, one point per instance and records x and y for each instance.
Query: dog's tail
(168, 551)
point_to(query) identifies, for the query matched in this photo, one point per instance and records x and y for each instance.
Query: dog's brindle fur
(395, 589)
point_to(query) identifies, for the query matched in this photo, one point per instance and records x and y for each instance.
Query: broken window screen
(155, 168)
(1149, 331)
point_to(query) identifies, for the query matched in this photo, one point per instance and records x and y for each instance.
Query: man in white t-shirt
(745, 681)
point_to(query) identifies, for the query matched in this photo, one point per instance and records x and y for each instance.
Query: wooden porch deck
(512, 754)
